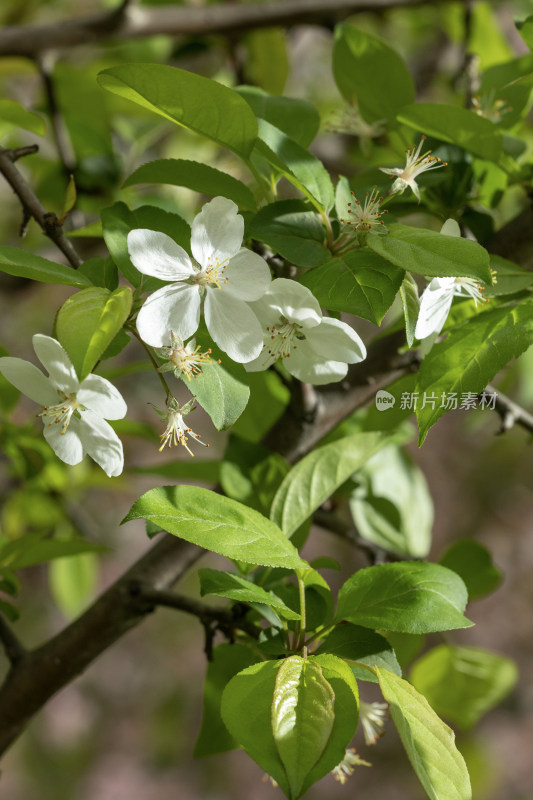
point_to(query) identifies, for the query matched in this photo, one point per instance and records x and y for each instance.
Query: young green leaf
(360, 283)
(16, 114)
(198, 177)
(463, 683)
(88, 321)
(222, 391)
(370, 73)
(406, 597)
(411, 306)
(15, 261)
(303, 714)
(473, 562)
(358, 645)
(234, 587)
(227, 661)
(433, 254)
(470, 357)
(197, 103)
(318, 475)
(217, 523)
(429, 743)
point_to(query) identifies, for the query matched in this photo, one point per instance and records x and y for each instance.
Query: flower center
(468, 287)
(190, 363)
(176, 433)
(283, 338)
(61, 413)
(212, 274)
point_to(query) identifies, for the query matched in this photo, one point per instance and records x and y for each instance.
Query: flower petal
(304, 365)
(172, 308)
(102, 443)
(248, 276)
(263, 361)
(56, 362)
(337, 341)
(435, 305)
(67, 446)
(100, 396)
(156, 254)
(29, 380)
(217, 232)
(293, 301)
(233, 326)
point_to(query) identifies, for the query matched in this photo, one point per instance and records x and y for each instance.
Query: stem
(301, 637)
(154, 362)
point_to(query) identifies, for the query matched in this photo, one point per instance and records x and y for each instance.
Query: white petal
(451, 228)
(100, 396)
(29, 380)
(435, 305)
(172, 308)
(335, 340)
(67, 446)
(101, 443)
(262, 362)
(294, 301)
(216, 232)
(391, 171)
(304, 364)
(56, 362)
(233, 326)
(156, 254)
(248, 276)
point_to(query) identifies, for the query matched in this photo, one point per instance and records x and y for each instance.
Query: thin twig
(32, 206)
(14, 649)
(510, 413)
(138, 22)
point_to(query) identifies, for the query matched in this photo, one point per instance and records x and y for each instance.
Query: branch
(32, 206)
(13, 648)
(129, 22)
(510, 413)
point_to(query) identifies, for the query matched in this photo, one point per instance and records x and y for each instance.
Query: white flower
(368, 216)
(437, 298)
(222, 273)
(183, 359)
(347, 766)
(415, 165)
(314, 349)
(177, 431)
(73, 412)
(372, 716)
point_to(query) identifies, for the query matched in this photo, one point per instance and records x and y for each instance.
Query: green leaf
(473, 562)
(22, 553)
(268, 61)
(234, 587)
(205, 471)
(463, 683)
(429, 743)
(268, 399)
(218, 524)
(433, 254)
(526, 30)
(198, 177)
(221, 389)
(101, 272)
(246, 711)
(406, 597)
(228, 660)
(360, 283)
(470, 357)
(370, 73)
(357, 645)
(509, 278)
(293, 231)
(88, 321)
(118, 220)
(455, 125)
(340, 677)
(16, 114)
(297, 118)
(392, 506)
(15, 261)
(411, 306)
(303, 714)
(198, 104)
(298, 165)
(318, 475)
